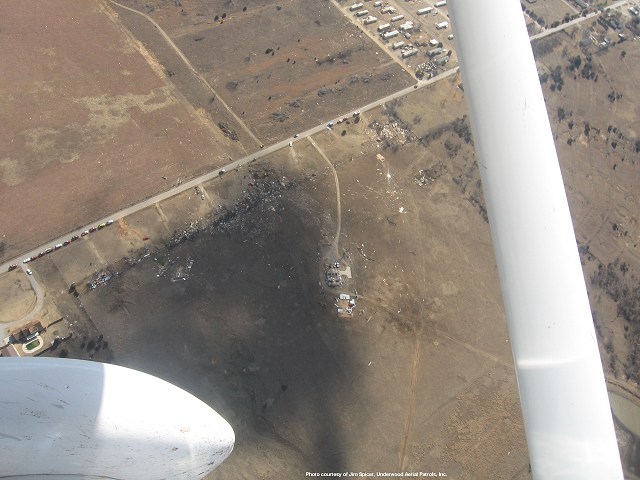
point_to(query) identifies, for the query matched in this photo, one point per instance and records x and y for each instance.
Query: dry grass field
(235, 312)
(551, 11)
(221, 291)
(90, 122)
(590, 97)
(281, 66)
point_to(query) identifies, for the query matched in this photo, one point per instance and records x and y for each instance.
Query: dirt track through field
(86, 134)
(411, 402)
(193, 70)
(336, 239)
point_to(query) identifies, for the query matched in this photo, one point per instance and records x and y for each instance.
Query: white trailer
(362, 13)
(370, 19)
(442, 25)
(442, 3)
(391, 34)
(397, 45)
(424, 11)
(397, 18)
(377, 4)
(384, 26)
(409, 53)
(388, 10)
(406, 26)
(356, 6)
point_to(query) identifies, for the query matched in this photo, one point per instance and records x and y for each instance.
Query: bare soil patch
(550, 13)
(282, 67)
(16, 296)
(90, 126)
(227, 300)
(591, 102)
(235, 311)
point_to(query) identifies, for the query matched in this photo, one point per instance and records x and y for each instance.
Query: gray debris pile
(431, 68)
(345, 304)
(264, 192)
(100, 278)
(182, 271)
(431, 174)
(332, 274)
(228, 131)
(392, 135)
(173, 269)
(393, 132)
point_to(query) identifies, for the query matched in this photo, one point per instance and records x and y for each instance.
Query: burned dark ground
(234, 310)
(220, 289)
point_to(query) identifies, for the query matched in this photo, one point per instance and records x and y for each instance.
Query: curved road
(39, 298)
(37, 290)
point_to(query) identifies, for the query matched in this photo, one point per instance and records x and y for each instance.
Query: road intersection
(264, 151)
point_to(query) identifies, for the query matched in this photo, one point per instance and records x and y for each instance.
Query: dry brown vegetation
(219, 290)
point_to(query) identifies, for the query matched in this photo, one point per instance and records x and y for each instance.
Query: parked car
(58, 246)
(86, 232)
(48, 250)
(29, 272)
(26, 260)
(74, 238)
(109, 222)
(13, 267)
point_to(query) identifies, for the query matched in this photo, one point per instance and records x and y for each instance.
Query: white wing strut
(564, 401)
(64, 418)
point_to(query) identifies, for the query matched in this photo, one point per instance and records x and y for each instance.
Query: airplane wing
(82, 419)
(568, 422)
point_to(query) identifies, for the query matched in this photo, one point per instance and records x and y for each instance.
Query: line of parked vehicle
(331, 124)
(63, 244)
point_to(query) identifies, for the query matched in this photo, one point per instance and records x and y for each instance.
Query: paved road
(269, 149)
(227, 168)
(37, 289)
(551, 31)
